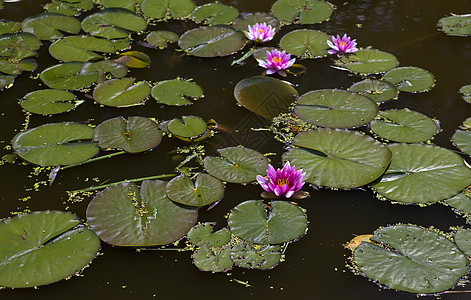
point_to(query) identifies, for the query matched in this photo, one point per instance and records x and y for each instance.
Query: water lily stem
(186, 160)
(94, 160)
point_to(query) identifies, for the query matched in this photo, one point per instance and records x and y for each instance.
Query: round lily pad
(215, 14)
(205, 190)
(417, 260)
(67, 76)
(410, 79)
(307, 11)
(121, 92)
(49, 101)
(213, 260)
(136, 134)
(462, 140)
(247, 256)
(212, 41)
(48, 26)
(265, 96)
(368, 61)
(203, 234)
(423, 174)
(305, 43)
(245, 19)
(160, 38)
(404, 125)
(56, 144)
(376, 90)
(463, 240)
(335, 108)
(176, 92)
(114, 68)
(280, 222)
(461, 202)
(19, 46)
(457, 25)
(237, 164)
(69, 7)
(176, 9)
(338, 158)
(466, 91)
(80, 48)
(124, 215)
(188, 127)
(43, 247)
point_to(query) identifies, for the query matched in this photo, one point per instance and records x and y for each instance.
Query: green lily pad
(114, 68)
(176, 92)
(9, 27)
(376, 90)
(188, 127)
(338, 158)
(49, 102)
(43, 247)
(121, 44)
(123, 215)
(56, 144)
(457, 25)
(417, 260)
(160, 9)
(69, 7)
(265, 96)
(48, 26)
(306, 11)
(461, 202)
(254, 222)
(410, 79)
(423, 174)
(121, 92)
(466, 91)
(335, 108)
(368, 61)
(203, 234)
(305, 43)
(245, 19)
(67, 76)
(6, 81)
(463, 240)
(126, 4)
(462, 140)
(160, 38)
(19, 46)
(212, 41)
(212, 259)
(205, 190)
(80, 48)
(404, 125)
(136, 134)
(237, 164)
(16, 68)
(113, 23)
(247, 256)
(134, 59)
(215, 14)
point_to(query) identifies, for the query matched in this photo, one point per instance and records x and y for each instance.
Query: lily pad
(410, 79)
(69, 7)
(423, 174)
(126, 4)
(56, 144)
(160, 9)
(466, 91)
(212, 41)
(49, 102)
(237, 164)
(19, 46)
(203, 234)
(160, 38)
(404, 125)
(48, 26)
(245, 19)
(116, 69)
(46, 246)
(338, 158)
(457, 25)
(265, 96)
(9, 27)
(305, 43)
(6, 81)
(257, 223)
(376, 90)
(80, 48)
(215, 14)
(461, 202)
(462, 140)
(67, 76)
(134, 59)
(205, 190)
(368, 61)
(307, 11)
(176, 92)
(136, 134)
(247, 256)
(463, 240)
(16, 68)
(335, 108)
(418, 260)
(189, 127)
(212, 259)
(123, 215)
(121, 92)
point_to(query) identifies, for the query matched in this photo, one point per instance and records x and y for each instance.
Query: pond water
(315, 265)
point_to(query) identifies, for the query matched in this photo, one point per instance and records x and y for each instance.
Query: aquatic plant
(276, 62)
(283, 182)
(260, 32)
(341, 46)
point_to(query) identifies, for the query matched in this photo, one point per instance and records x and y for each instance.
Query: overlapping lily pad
(376, 90)
(160, 38)
(43, 247)
(48, 26)
(305, 43)
(457, 25)
(462, 140)
(410, 79)
(80, 48)
(404, 125)
(69, 7)
(124, 215)
(247, 256)
(463, 240)
(114, 68)
(306, 11)
(126, 4)
(212, 41)
(49, 101)
(189, 127)
(368, 61)
(335, 108)
(215, 14)
(56, 144)
(19, 46)
(245, 19)
(211, 259)
(15, 68)
(254, 222)
(134, 59)
(176, 92)
(9, 26)
(338, 158)
(423, 174)
(203, 191)
(461, 202)
(121, 92)
(203, 234)
(67, 76)
(134, 134)
(418, 260)
(167, 8)
(237, 164)
(466, 91)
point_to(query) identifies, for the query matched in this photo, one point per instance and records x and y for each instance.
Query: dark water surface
(315, 265)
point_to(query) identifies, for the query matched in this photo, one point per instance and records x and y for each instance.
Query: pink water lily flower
(341, 46)
(260, 32)
(284, 182)
(276, 62)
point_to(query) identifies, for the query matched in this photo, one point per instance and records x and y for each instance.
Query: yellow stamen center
(282, 182)
(342, 44)
(260, 30)
(276, 59)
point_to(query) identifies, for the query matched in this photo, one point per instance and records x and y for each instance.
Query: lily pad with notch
(80, 48)
(67, 76)
(214, 14)
(160, 38)
(245, 19)
(176, 9)
(410, 79)
(368, 61)
(49, 26)
(189, 127)
(306, 11)
(376, 90)
(121, 92)
(19, 45)
(203, 234)
(305, 43)
(456, 25)
(249, 256)
(49, 101)
(112, 67)
(203, 191)
(176, 92)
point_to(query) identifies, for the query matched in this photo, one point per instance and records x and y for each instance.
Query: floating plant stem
(94, 159)
(186, 160)
(244, 57)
